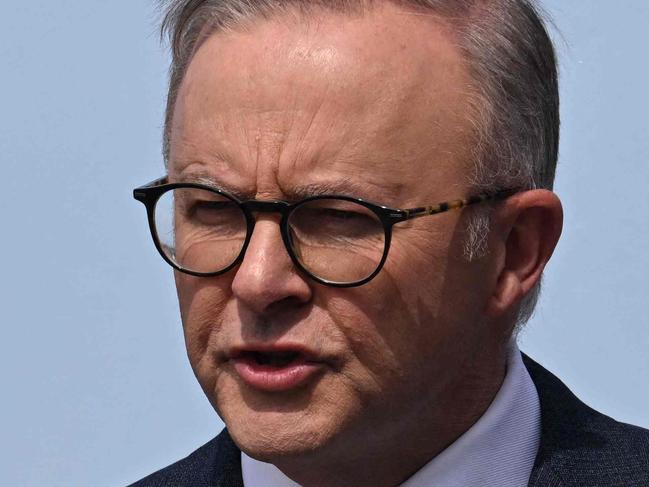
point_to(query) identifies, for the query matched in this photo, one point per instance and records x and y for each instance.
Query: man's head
(389, 102)
(509, 55)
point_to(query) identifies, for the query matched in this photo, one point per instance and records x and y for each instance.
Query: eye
(339, 215)
(214, 212)
(328, 219)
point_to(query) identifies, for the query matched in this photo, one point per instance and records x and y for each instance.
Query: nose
(267, 280)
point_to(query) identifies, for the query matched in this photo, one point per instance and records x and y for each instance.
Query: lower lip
(276, 379)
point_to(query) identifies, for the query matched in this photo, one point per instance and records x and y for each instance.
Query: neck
(388, 457)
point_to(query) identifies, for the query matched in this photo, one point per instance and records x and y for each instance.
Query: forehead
(381, 98)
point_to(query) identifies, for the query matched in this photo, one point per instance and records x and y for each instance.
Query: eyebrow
(342, 187)
(206, 179)
(345, 187)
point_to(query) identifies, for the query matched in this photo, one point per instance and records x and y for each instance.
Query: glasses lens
(200, 230)
(337, 240)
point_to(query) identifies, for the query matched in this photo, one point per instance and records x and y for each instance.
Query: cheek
(417, 269)
(427, 261)
(415, 316)
(386, 335)
(202, 303)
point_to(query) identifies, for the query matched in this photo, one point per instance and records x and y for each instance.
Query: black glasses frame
(150, 193)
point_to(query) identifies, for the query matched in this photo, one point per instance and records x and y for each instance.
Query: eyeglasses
(335, 240)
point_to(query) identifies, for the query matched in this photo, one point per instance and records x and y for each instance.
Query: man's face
(376, 107)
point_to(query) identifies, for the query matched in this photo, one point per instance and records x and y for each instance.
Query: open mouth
(276, 369)
(273, 359)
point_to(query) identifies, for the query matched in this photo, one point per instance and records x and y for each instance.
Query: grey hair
(513, 64)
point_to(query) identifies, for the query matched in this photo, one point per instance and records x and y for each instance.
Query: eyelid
(217, 203)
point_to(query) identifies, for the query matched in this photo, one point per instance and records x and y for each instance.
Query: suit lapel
(226, 470)
(565, 431)
(552, 392)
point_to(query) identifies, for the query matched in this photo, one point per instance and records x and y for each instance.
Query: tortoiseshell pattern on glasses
(456, 204)
(149, 194)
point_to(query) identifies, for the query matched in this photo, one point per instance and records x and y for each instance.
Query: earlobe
(529, 229)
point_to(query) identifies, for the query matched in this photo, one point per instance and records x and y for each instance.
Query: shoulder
(215, 464)
(580, 446)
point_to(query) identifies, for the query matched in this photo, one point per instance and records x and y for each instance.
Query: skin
(381, 103)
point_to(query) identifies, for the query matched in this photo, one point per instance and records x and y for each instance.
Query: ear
(526, 229)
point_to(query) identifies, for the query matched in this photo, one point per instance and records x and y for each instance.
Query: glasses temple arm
(457, 204)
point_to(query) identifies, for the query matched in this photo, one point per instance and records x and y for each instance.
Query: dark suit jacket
(579, 448)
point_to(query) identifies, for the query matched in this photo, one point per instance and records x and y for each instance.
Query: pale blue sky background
(95, 386)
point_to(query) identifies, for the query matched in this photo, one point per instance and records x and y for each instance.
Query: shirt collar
(499, 449)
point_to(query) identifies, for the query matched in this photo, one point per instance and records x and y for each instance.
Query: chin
(271, 428)
(276, 436)
(277, 442)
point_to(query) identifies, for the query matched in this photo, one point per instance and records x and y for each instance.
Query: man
(358, 208)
